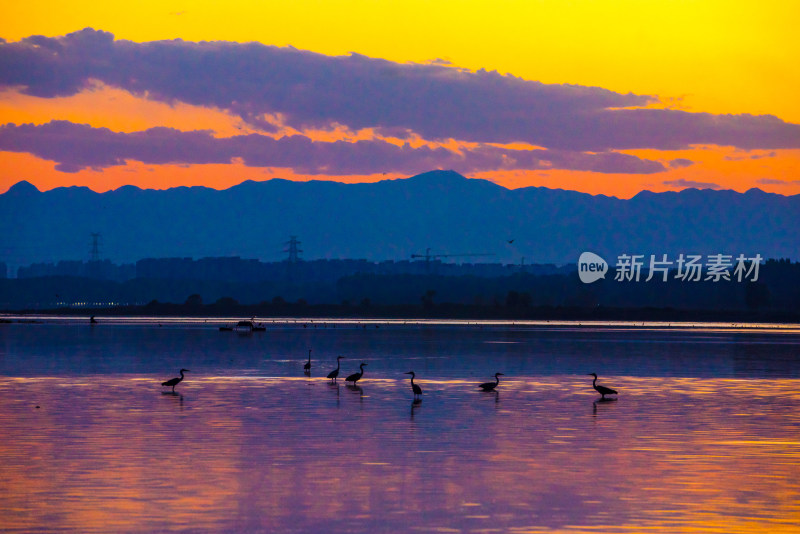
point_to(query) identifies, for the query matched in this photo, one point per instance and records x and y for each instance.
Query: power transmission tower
(293, 249)
(292, 262)
(94, 252)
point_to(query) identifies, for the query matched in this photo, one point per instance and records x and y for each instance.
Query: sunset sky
(604, 97)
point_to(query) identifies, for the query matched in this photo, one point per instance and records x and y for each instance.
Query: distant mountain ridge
(391, 220)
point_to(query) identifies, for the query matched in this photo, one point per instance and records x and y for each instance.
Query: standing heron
(333, 374)
(175, 381)
(489, 386)
(355, 377)
(307, 366)
(602, 390)
(415, 388)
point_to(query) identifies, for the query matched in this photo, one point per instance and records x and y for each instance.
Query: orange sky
(714, 57)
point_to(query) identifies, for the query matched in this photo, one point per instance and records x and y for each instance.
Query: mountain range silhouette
(391, 220)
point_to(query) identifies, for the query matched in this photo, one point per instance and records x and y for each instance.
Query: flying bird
(489, 386)
(333, 374)
(602, 390)
(355, 377)
(415, 388)
(175, 381)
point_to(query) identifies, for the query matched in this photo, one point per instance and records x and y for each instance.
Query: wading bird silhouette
(307, 366)
(602, 390)
(489, 386)
(333, 374)
(355, 377)
(415, 388)
(175, 381)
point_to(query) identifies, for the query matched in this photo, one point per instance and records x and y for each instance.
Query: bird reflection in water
(355, 388)
(602, 401)
(414, 405)
(174, 395)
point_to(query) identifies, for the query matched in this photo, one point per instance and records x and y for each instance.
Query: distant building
(236, 269)
(97, 270)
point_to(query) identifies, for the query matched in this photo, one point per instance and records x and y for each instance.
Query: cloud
(753, 156)
(680, 163)
(434, 101)
(440, 61)
(774, 181)
(78, 146)
(691, 183)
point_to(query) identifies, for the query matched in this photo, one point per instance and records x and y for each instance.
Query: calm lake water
(704, 437)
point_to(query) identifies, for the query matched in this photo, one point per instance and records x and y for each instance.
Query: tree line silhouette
(774, 296)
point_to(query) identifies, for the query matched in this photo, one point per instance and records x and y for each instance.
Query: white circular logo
(591, 267)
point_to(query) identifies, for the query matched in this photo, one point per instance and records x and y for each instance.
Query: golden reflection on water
(541, 454)
(323, 322)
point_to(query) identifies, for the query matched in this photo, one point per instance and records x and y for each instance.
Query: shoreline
(366, 322)
(439, 312)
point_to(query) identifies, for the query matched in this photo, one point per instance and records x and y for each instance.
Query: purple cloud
(679, 163)
(774, 181)
(78, 146)
(754, 156)
(431, 100)
(691, 183)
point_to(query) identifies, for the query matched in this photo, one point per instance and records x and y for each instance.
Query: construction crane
(428, 256)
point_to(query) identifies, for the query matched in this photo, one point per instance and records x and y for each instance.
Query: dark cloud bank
(578, 126)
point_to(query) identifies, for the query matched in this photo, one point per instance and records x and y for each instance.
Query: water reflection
(414, 405)
(363, 323)
(250, 444)
(444, 351)
(244, 454)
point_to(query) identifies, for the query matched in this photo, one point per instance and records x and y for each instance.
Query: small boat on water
(244, 326)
